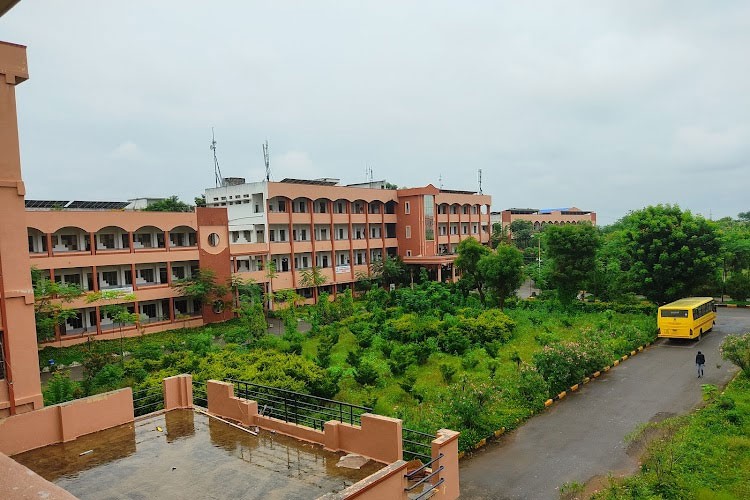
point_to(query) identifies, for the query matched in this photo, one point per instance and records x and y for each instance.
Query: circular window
(213, 239)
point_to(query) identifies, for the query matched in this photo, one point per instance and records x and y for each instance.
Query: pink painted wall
(22, 391)
(178, 392)
(65, 422)
(379, 438)
(19, 483)
(447, 444)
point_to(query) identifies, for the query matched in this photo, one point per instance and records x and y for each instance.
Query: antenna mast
(480, 181)
(267, 160)
(218, 178)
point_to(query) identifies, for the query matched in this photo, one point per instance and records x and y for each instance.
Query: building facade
(341, 230)
(540, 218)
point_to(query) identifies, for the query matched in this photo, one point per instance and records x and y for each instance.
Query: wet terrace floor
(192, 456)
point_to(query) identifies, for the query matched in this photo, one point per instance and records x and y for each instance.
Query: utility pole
(267, 160)
(218, 178)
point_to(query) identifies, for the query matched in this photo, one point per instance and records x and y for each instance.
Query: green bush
(61, 388)
(366, 373)
(736, 348)
(566, 363)
(532, 388)
(402, 357)
(453, 342)
(447, 372)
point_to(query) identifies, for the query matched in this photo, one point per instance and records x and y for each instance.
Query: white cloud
(128, 151)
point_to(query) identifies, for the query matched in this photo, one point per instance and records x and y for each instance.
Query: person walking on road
(700, 360)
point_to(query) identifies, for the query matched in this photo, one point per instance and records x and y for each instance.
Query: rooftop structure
(541, 217)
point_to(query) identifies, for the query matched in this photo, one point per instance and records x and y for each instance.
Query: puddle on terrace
(194, 456)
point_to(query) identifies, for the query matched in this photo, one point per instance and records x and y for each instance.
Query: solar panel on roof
(97, 205)
(45, 203)
(308, 181)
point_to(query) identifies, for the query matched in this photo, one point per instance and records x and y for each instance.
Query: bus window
(674, 313)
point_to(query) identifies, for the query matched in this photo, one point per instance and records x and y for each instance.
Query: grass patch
(704, 455)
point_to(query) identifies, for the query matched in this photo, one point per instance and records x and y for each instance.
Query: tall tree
(470, 251)
(390, 270)
(502, 271)
(171, 204)
(50, 298)
(572, 250)
(312, 278)
(202, 286)
(668, 253)
(521, 231)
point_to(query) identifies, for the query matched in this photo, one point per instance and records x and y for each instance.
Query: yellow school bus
(687, 318)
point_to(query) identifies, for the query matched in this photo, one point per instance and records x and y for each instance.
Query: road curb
(561, 395)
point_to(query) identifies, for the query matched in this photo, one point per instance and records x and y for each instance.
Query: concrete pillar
(178, 392)
(20, 390)
(447, 444)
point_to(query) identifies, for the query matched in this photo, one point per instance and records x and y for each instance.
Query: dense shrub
(453, 342)
(366, 373)
(736, 348)
(566, 363)
(532, 388)
(61, 388)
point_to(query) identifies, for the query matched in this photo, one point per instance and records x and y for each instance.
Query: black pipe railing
(298, 408)
(417, 444)
(147, 400)
(426, 492)
(200, 397)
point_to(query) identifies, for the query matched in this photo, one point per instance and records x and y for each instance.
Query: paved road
(582, 436)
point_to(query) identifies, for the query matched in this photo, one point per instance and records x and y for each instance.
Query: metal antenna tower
(480, 181)
(267, 160)
(218, 178)
(440, 181)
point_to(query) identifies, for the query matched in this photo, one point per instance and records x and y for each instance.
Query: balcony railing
(298, 408)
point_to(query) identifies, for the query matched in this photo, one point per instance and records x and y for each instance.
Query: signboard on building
(343, 269)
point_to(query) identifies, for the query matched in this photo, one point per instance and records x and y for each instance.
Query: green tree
(202, 286)
(502, 271)
(200, 201)
(572, 249)
(171, 204)
(499, 234)
(744, 216)
(252, 316)
(521, 231)
(390, 270)
(470, 251)
(736, 348)
(116, 310)
(50, 299)
(738, 286)
(667, 253)
(312, 278)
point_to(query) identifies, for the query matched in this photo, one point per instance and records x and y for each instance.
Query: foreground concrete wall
(65, 422)
(21, 387)
(17, 483)
(178, 392)
(379, 438)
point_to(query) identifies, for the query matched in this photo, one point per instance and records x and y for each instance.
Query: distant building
(541, 217)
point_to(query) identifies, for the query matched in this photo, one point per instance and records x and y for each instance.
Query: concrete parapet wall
(18, 482)
(379, 438)
(447, 444)
(389, 482)
(178, 392)
(223, 403)
(65, 422)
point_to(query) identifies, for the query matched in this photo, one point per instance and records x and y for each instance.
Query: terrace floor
(193, 456)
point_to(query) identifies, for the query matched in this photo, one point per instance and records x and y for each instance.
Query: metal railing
(148, 400)
(298, 408)
(426, 493)
(200, 398)
(417, 444)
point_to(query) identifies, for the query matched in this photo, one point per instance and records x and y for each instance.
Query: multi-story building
(341, 230)
(140, 254)
(540, 218)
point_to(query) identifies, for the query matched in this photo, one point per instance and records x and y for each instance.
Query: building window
(474, 229)
(407, 208)
(282, 234)
(282, 206)
(408, 253)
(408, 232)
(429, 217)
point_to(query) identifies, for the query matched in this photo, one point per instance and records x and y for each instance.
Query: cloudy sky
(605, 105)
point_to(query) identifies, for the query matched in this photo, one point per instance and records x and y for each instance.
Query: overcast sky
(608, 106)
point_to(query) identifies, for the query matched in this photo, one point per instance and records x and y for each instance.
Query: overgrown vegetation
(433, 355)
(704, 455)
